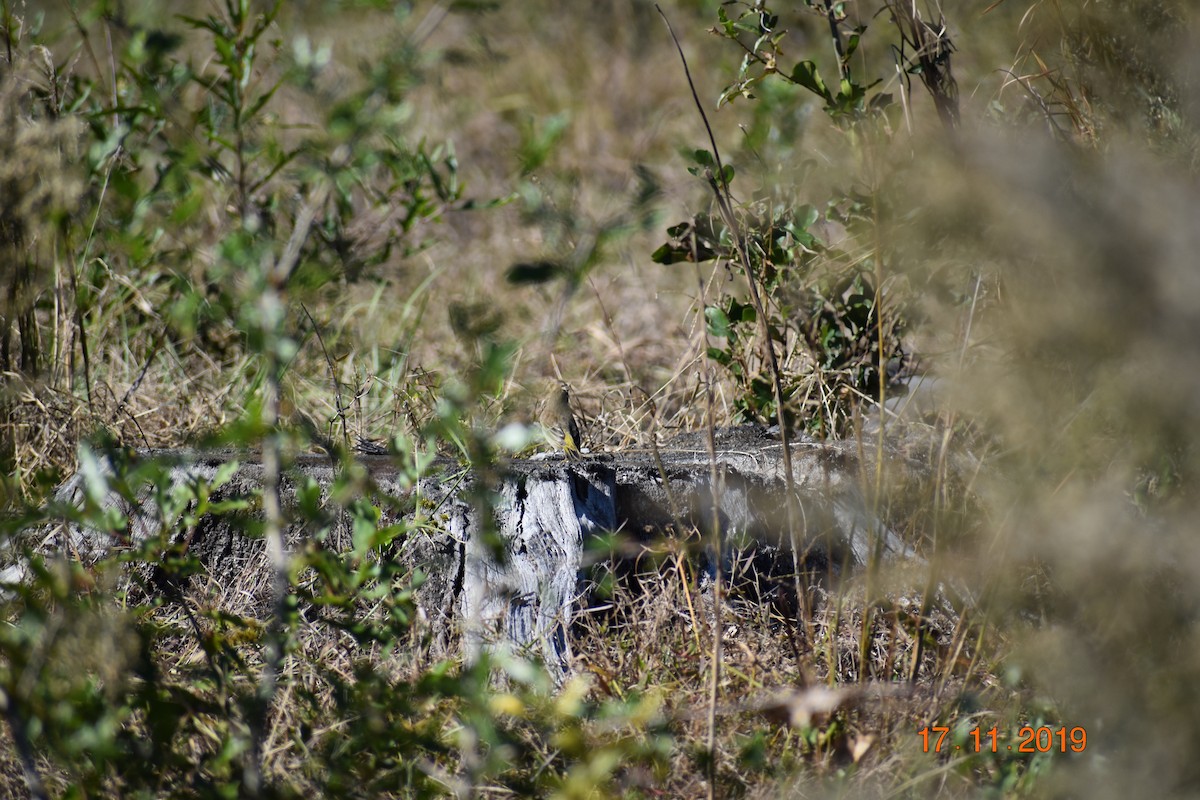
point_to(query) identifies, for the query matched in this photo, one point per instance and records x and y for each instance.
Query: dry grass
(1049, 245)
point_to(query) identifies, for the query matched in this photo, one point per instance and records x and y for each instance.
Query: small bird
(561, 429)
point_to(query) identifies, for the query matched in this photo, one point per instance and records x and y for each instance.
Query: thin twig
(720, 186)
(836, 35)
(337, 385)
(276, 547)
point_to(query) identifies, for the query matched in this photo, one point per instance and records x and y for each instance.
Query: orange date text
(1043, 739)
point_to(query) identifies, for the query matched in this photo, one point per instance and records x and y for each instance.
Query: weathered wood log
(510, 569)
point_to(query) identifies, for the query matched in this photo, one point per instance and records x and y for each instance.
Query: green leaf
(670, 254)
(805, 216)
(720, 356)
(726, 25)
(748, 27)
(881, 101)
(538, 144)
(718, 322)
(805, 73)
(741, 312)
(534, 272)
(696, 233)
(364, 528)
(851, 45)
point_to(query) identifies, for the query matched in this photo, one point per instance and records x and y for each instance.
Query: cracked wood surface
(515, 571)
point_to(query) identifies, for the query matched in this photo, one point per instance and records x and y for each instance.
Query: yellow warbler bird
(561, 429)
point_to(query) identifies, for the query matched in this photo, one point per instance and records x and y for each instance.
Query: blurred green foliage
(195, 187)
(838, 335)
